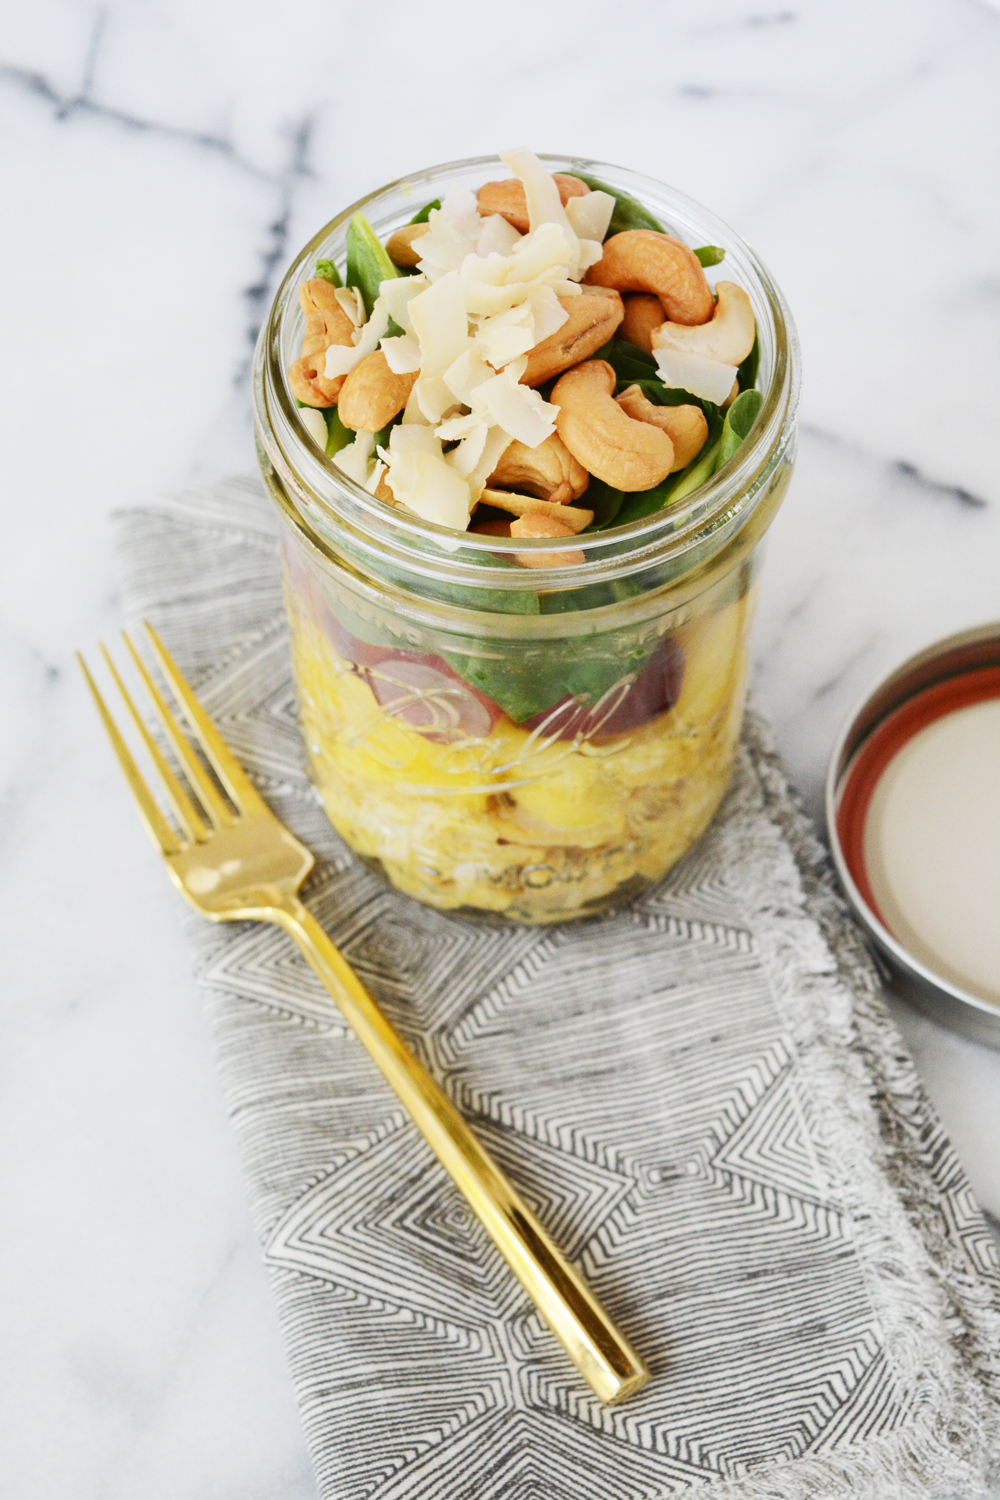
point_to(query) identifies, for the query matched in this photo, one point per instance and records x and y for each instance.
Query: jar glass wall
(535, 742)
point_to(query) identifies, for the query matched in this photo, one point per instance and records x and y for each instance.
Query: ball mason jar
(535, 742)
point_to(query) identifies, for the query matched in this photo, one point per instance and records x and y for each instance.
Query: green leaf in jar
(368, 264)
(337, 435)
(739, 419)
(628, 214)
(326, 270)
(710, 255)
(747, 372)
(424, 215)
(628, 361)
(604, 501)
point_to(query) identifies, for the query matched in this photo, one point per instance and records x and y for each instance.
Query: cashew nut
(549, 471)
(685, 426)
(522, 505)
(729, 336)
(509, 199)
(540, 525)
(593, 318)
(643, 314)
(372, 395)
(399, 246)
(492, 528)
(611, 445)
(642, 260)
(326, 323)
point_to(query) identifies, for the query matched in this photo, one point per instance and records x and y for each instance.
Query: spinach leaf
(710, 255)
(739, 419)
(603, 501)
(747, 372)
(424, 215)
(368, 265)
(337, 435)
(528, 680)
(627, 360)
(628, 214)
(698, 470)
(327, 271)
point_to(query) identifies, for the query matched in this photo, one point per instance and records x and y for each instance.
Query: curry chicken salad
(530, 362)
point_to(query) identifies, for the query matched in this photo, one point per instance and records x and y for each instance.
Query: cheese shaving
(402, 355)
(433, 397)
(352, 302)
(484, 297)
(590, 214)
(518, 409)
(314, 423)
(707, 378)
(497, 237)
(441, 323)
(429, 487)
(355, 459)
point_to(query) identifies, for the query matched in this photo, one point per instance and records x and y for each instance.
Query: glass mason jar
(536, 742)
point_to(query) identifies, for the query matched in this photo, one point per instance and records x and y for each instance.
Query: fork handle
(602, 1354)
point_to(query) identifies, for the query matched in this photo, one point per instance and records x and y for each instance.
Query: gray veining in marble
(161, 162)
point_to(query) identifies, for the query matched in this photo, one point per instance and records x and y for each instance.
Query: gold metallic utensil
(235, 862)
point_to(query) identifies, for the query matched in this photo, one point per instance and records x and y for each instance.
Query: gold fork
(234, 861)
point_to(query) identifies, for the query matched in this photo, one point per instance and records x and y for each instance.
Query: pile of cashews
(648, 288)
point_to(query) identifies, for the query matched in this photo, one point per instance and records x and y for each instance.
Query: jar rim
(328, 507)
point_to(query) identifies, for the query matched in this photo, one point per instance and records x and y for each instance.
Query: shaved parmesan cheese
(447, 243)
(540, 189)
(496, 444)
(398, 293)
(352, 302)
(340, 360)
(459, 203)
(518, 409)
(433, 397)
(402, 355)
(375, 478)
(413, 439)
(591, 251)
(547, 247)
(457, 428)
(412, 415)
(465, 457)
(314, 423)
(507, 335)
(497, 237)
(355, 459)
(707, 378)
(430, 488)
(590, 214)
(374, 330)
(468, 371)
(441, 323)
(547, 312)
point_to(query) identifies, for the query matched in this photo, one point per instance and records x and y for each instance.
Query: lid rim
(957, 655)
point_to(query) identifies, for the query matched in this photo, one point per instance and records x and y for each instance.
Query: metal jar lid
(868, 768)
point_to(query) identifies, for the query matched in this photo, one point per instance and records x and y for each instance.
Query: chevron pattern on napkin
(701, 1095)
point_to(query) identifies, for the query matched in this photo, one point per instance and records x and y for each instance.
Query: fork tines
(196, 823)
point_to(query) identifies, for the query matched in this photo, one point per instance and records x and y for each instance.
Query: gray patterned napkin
(701, 1095)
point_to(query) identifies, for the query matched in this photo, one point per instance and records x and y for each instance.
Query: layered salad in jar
(532, 362)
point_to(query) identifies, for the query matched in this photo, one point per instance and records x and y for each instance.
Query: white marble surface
(162, 159)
